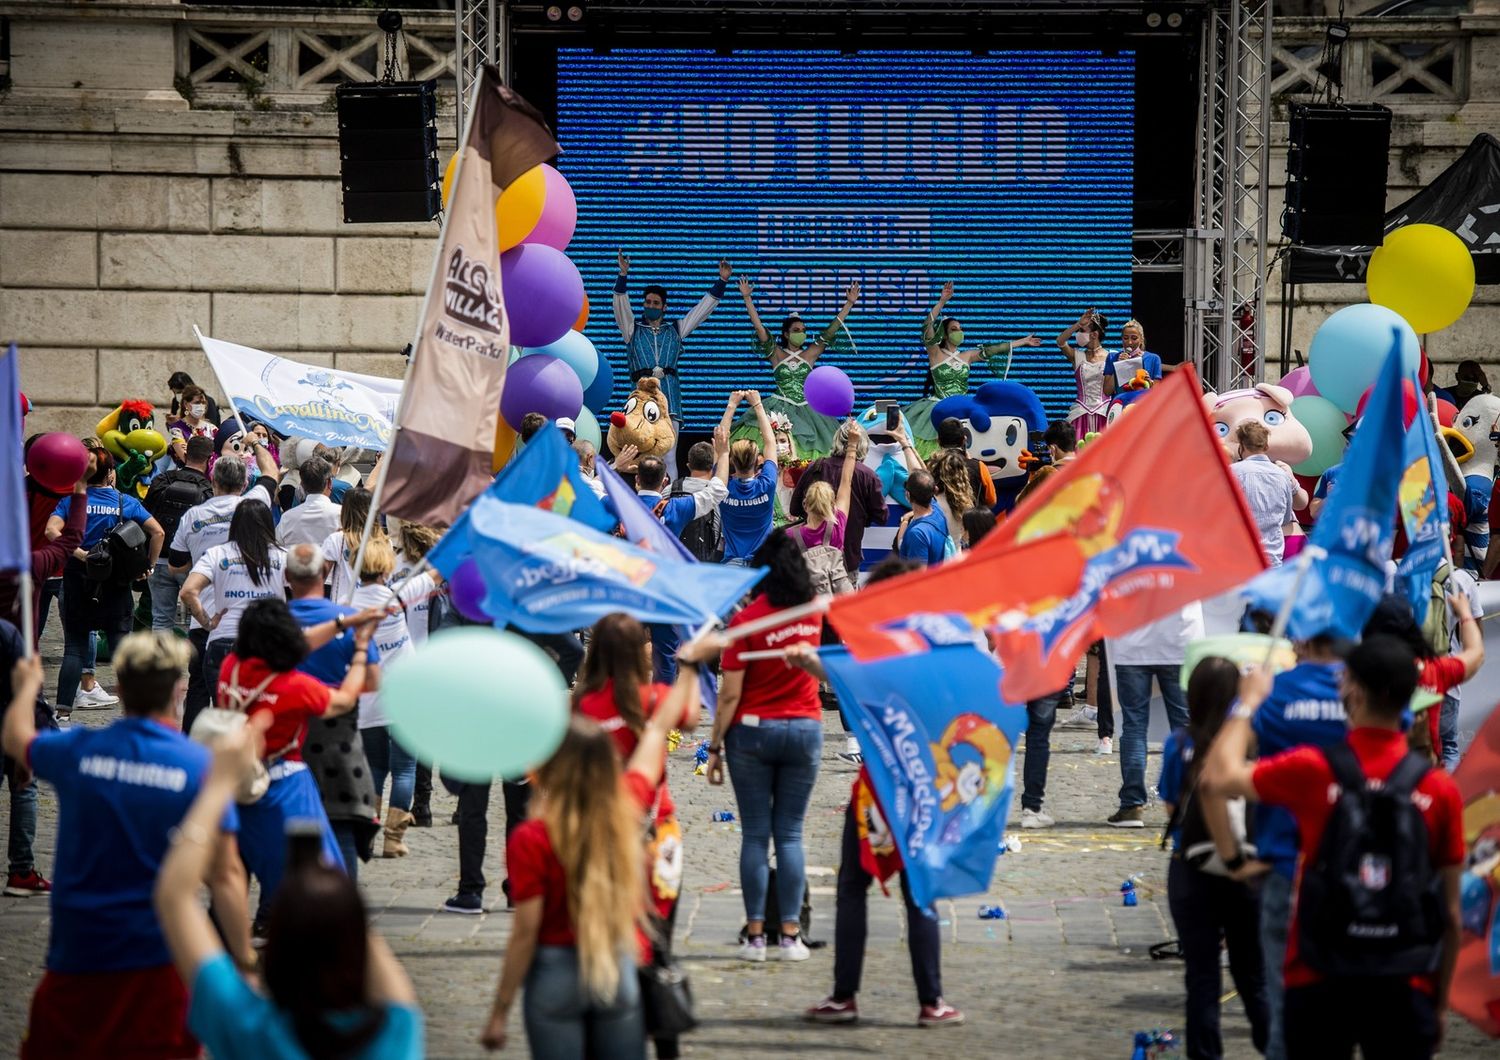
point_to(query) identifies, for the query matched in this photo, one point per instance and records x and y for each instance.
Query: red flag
(1157, 520)
(1476, 981)
(956, 602)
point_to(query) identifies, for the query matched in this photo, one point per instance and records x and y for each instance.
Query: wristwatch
(1237, 862)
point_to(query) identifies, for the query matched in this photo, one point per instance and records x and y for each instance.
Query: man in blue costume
(654, 343)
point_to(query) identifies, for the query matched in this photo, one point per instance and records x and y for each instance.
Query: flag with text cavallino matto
(1158, 521)
(445, 431)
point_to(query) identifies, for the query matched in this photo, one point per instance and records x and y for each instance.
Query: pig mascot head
(1270, 405)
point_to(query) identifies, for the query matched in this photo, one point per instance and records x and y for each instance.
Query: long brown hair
(952, 473)
(595, 830)
(617, 652)
(352, 515)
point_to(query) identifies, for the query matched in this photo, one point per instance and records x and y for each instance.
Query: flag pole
(28, 614)
(817, 606)
(1304, 563)
(378, 489)
(234, 402)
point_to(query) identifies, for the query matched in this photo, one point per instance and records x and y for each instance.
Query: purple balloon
(559, 212)
(543, 293)
(540, 383)
(1300, 382)
(467, 589)
(829, 391)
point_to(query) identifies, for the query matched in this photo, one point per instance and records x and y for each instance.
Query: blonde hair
(379, 559)
(416, 540)
(951, 471)
(818, 501)
(148, 666)
(595, 830)
(742, 456)
(1134, 323)
(353, 512)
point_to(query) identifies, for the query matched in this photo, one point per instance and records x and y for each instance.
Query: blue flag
(1423, 500)
(549, 574)
(938, 743)
(643, 528)
(1351, 541)
(544, 474)
(15, 525)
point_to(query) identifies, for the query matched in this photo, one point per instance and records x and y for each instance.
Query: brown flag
(450, 405)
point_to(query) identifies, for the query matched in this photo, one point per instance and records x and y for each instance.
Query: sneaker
(94, 699)
(941, 1014)
(467, 904)
(258, 933)
(753, 949)
(852, 757)
(792, 949)
(26, 884)
(1129, 817)
(1106, 746)
(1084, 716)
(832, 1010)
(1036, 819)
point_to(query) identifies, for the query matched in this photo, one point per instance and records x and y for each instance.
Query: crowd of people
(247, 629)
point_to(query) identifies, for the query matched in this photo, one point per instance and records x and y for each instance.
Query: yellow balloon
(448, 177)
(1425, 273)
(505, 444)
(520, 207)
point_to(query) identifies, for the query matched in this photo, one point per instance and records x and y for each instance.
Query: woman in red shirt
(261, 675)
(579, 897)
(770, 719)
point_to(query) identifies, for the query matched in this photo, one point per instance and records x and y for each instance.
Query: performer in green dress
(792, 359)
(949, 362)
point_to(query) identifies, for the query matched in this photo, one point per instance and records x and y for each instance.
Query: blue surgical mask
(652, 313)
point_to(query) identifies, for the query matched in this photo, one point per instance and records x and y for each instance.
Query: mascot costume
(885, 459)
(1475, 449)
(645, 423)
(999, 419)
(128, 435)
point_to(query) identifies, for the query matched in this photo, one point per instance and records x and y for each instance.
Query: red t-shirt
(772, 688)
(292, 697)
(534, 871)
(600, 706)
(1439, 675)
(1301, 781)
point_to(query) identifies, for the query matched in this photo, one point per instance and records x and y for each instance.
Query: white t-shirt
(201, 528)
(337, 552)
(233, 588)
(1160, 643)
(417, 595)
(393, 637)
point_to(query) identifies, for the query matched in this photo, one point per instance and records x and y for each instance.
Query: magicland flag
(441, 458)
(1476, 981)
(1155, 516)
(1422, 498)
(939, 746)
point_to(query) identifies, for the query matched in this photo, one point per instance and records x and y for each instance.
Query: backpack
(1195, 843)
(1371, 903)
(825, 564)
(1435, 625)
(172, 494)
(122, 555)
(703, 536)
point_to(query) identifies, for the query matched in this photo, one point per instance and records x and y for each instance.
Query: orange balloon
(520, 207)
(448, 177)
(505, 444)
(583, 317)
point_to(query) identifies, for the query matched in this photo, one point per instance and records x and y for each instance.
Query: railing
(1400, 62)
(233, 58)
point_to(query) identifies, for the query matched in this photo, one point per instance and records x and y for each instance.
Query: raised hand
(624, 262)
(753, 396)
(1029, 340)
(735, 397)
(625, 459)
(946, 293)
(721, 441)
(746, 287)
(852, 294)
(725, 269)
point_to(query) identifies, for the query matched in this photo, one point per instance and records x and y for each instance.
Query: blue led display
(1009, 174)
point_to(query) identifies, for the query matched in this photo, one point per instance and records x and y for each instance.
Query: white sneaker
(754, 950)
(1083, 716)
(94, 699)
(1036, 819)
(792, 949)
(1106, 746)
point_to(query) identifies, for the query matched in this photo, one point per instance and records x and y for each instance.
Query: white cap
(566, 424)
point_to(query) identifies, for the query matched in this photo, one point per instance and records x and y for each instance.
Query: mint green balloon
(588, 428)
(1325, 422)
(479, 702)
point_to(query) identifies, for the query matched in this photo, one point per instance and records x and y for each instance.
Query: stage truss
(1222, 257)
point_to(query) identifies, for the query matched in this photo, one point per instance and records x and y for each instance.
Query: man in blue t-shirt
(121, 790)
(1323, 490)
(1304, 708)
(747, 511)
(924, 529)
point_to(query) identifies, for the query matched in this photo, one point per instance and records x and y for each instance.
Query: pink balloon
(1300, 382)
(467, 590)
(559, 212)
(57, 461)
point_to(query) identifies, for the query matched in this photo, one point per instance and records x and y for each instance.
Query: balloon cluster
(1420, 280)
(555, 370)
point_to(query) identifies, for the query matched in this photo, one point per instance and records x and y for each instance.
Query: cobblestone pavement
(1068, 973)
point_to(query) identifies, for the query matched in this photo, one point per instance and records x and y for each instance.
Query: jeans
(473, 836)
(1041, 715)
(1206, 909)
(1448, 733)
(1275, 924)
(564, 1023)
(773, 767)
(388, 758)
(22, 823)
(343, 834)
(214, 654)
(851, 924)
(1387, 1017)
(1134, 685)
(198, 693)
(82, 613)
(1105, 696)
(164, 586)
(664, 643)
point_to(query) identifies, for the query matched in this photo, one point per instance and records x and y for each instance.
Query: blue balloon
(576, 351)
(598, 393)
(1348, 350)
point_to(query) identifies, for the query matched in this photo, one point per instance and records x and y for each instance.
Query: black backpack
(703, 536)
(173, 493)
(1371, 903)
(123, 554)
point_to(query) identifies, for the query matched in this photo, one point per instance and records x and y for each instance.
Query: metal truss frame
(479, 37)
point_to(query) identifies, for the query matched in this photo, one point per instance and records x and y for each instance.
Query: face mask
(796, 339)
(1081, 338)
(956, 338)
(198, 410)
(652, 313)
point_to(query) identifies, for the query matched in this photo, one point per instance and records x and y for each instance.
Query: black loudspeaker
(388, 151)
(1335, 174)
